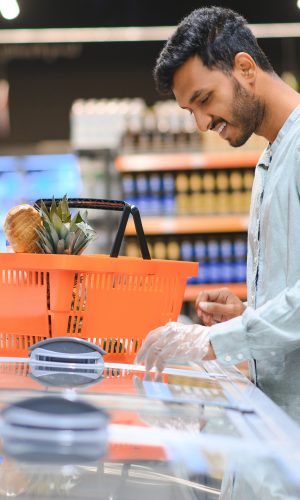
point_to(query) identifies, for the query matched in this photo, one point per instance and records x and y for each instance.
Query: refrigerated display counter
(111, 431)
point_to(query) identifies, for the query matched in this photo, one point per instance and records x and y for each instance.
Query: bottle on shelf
(168, 193)
(142, 193)
(155, 206)
(182, 195)
(222, 186)
(195, 182)
(173, 250)
(159, 249)
(208, 194)
(236, 186)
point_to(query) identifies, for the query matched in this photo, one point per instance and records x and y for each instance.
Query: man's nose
(203, 121)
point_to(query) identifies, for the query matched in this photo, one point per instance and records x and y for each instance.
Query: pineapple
(60, 233)
(20, 226)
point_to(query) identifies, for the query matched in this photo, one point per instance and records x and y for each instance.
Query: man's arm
(263, 333)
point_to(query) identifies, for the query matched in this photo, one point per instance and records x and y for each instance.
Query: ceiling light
(125, 34)
(9, 9)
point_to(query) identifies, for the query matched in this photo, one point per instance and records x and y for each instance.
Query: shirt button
(273, 353)
(240, 356)
(227, 358)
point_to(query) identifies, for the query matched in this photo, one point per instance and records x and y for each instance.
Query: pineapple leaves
(63, 210)
(53, 208)
(70, 241)
(61, 233)
(76, 220)
(60, 246)
(85, 228)
(44, 210)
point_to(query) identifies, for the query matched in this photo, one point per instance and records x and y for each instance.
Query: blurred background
(45, 79)
(79, 114)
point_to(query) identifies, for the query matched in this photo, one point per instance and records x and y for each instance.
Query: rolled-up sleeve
(270, 330)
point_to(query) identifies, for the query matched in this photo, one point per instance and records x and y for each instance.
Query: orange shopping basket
(111, 301)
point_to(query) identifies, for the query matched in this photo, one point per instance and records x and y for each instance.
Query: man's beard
(247, 112)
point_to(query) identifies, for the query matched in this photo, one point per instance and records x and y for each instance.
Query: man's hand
(175, 340)
(215, 306)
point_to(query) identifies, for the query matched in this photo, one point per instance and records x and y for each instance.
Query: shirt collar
(266, 157)
(293, 117)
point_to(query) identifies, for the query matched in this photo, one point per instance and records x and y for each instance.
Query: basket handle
(117, 205)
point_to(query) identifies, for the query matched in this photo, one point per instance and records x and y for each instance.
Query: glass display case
(111, 431)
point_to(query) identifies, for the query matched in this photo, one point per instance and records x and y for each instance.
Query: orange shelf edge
(191, 224)
(186, 161)
(191, 291)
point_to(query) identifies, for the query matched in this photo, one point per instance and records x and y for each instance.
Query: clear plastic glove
(174, 340)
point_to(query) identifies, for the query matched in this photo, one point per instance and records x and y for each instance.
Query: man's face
(218, 101)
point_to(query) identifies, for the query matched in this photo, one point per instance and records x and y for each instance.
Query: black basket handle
(117, 205)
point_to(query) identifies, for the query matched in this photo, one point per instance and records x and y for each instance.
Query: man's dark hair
(216, 35)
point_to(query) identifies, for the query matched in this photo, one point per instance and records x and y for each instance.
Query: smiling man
(221, 104)
(215, 69)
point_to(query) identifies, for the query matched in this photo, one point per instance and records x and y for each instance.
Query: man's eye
(205, 99)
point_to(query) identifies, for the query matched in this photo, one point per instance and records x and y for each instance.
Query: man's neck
(280, 100)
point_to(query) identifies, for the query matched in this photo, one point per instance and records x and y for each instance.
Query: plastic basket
(109, 300)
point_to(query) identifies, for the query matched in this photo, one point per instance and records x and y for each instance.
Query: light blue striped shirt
(268, 332)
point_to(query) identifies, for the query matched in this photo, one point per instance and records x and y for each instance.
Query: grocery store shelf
(186, 161)
(191, 224)
(191, 291)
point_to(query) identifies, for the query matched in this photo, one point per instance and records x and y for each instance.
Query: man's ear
(245, 67)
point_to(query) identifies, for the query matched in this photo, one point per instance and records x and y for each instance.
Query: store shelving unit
(187, 161)
(191, 224)
(192, 291)
(179, 225)
(193, 190)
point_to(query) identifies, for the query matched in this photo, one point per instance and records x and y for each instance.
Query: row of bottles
(163, 127)
(194, 192)
(222, 258)
(131, 125)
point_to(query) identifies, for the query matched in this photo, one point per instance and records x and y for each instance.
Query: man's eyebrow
(196, 94)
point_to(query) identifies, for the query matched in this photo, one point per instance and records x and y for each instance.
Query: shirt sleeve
(270, 330)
